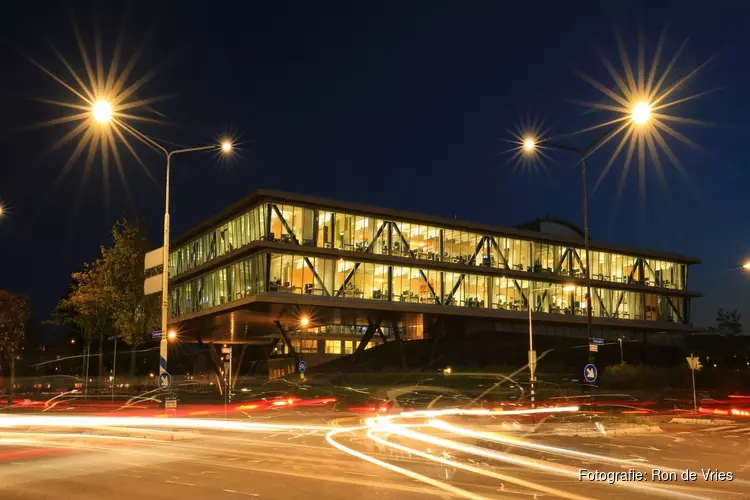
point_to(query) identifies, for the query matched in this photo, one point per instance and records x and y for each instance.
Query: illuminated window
(305, 345)
(333, 347)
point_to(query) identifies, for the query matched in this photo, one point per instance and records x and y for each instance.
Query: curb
(147, 433)
(700, 421)
(611, 432)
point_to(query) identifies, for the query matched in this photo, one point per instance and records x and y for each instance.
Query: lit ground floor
(320, 329)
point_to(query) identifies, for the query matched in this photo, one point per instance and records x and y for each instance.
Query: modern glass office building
(273, 258)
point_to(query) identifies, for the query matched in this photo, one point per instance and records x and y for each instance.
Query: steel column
(287, 340)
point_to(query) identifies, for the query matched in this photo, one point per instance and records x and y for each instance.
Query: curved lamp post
(640, 115)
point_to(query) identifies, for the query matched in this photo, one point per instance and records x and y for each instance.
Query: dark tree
(729, 322)
(14, 316)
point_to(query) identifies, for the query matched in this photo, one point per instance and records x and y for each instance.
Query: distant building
(360, 275)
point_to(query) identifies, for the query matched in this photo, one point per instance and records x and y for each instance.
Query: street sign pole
(226, 351)
(695, 396)
(695, 365)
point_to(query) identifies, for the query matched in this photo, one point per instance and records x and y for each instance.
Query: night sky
(405, 105)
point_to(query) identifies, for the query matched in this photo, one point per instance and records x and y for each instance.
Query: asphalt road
(293, 464)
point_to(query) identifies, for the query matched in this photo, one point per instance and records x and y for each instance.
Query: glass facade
(298, 274)
(328, 346)
(227, 284)
(454, 285)
(352, 279)
(238, 232)
(358, 233)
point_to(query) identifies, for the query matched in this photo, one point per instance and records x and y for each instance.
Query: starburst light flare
(102, 105)
(641, 105)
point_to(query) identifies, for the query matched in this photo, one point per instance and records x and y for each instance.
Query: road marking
(720, 428)
(179, 482)
(242, 493)
(361, 474)
(650, 448)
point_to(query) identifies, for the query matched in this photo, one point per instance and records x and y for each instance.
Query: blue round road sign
(302, 366)
(165, 381)
(590, 373)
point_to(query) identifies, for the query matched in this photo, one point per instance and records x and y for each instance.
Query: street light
(304, 321)
(641, 113)
(106, 114)
(102, 111)
(745, 266)
(567, 287)
(224, 147)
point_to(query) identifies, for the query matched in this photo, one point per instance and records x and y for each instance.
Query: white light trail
(522, 443)
(389, 427)
(386, 425)
(149, 422)
(394, 468)
(476, 470)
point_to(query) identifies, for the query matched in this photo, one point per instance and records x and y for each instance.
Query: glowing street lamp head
(529, 144)
(641, 113)
(746, 266)
(226, 147)
(102, 111)
(304, 321)
(2, 209)
(171, 335)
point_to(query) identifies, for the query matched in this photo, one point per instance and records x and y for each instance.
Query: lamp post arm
(163, 345)
(192, 150)
(143, 137)
(607, 133)
(588, 149)
(562, 147)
